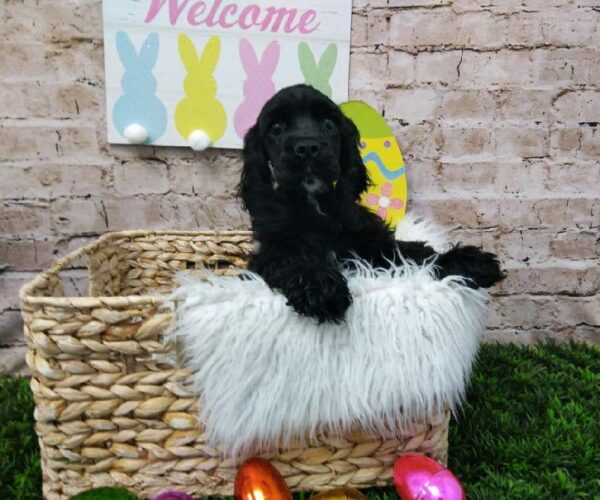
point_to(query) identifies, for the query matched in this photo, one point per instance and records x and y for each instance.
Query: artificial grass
(529, 430)
(20, 476)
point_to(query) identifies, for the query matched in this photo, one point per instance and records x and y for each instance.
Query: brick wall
(495, 103)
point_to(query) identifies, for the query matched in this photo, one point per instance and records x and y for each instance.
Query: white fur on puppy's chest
(313, 185)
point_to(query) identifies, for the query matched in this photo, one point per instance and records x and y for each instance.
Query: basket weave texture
(107, 413)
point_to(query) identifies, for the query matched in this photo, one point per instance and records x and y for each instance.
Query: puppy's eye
(276, 129)
(328, 125)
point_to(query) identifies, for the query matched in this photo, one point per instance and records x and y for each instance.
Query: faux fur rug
(267, 376)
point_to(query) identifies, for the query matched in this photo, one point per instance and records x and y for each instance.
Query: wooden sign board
(177, 69)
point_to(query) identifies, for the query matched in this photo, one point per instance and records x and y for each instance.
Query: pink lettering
(279, 15)
(289, 28)
(175, 10)
(155, 6)
(210, 19)
(254, 12)
(230, 15)
(195, 12)
(229, 9)
(305, 19)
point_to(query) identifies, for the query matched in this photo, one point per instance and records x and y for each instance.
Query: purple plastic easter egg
(418, 477)
(172, 495)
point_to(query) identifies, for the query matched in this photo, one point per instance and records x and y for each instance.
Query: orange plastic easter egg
(340, 494)
(257, 479)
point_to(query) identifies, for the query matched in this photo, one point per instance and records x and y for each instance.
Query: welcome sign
(197, 72)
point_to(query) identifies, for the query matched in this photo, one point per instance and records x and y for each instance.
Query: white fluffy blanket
(267, 376)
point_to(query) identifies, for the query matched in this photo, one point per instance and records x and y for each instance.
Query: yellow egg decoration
(387, 195)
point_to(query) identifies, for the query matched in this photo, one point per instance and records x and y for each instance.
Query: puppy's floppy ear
(354, 178)
(256, 175)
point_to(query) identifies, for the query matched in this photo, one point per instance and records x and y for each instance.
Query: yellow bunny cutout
(200, 111)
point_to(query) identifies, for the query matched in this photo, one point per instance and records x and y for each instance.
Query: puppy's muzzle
(307, 148)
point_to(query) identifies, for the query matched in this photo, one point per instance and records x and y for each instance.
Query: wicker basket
(108, 414)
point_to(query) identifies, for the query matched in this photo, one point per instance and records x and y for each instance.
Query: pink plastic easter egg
(418, 477)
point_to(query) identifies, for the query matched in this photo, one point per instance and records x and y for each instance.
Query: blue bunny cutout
(139, 104)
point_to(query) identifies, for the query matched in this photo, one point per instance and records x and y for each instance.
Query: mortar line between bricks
(426, 196)
(434, 49)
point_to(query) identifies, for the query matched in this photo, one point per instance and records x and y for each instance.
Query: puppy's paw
(481, 269)
(320, 293)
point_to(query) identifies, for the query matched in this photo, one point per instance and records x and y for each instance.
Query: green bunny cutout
(318, 75)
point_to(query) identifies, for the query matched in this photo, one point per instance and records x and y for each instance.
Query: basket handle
(42, 279)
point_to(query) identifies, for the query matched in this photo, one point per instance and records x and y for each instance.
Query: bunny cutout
(139, 106)
(200, 111)
(318, 75)
(258, 86)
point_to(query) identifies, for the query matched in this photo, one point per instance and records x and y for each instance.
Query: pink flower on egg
(384, 201)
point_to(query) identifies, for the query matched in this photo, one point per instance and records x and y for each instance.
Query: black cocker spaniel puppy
(301, 183)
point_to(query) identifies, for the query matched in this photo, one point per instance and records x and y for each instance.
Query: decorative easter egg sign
(382, 156)
(197, 72)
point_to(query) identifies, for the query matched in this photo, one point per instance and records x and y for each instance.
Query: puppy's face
(301, 133)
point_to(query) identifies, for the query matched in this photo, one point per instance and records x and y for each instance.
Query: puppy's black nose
(307, 148)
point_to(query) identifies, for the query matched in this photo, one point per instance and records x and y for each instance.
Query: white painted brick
(12, 361)
(46, 180)
(411, 105)
(495, 106)
(133, 177)
(401, 67)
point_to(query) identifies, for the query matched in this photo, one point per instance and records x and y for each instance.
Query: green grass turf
(530, 428)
